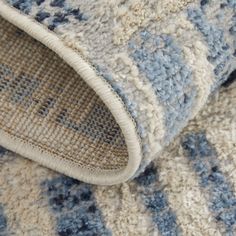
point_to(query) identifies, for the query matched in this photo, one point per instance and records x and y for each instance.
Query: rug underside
(46, 104)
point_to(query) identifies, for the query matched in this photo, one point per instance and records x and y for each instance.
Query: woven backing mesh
(46, 104)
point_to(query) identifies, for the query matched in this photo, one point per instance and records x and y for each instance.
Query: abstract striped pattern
(222, 200)
(187, 191)
(151, 64)
(74, 207)
(155, 200)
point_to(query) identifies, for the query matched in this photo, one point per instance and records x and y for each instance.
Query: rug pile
(138, 95)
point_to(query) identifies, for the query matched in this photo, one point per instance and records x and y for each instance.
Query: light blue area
(156, 201)
(75, 208)
(161, 61)
(220, 53)
(203, 159)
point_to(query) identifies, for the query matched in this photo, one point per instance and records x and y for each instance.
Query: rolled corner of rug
(96, 91)
(100, 155)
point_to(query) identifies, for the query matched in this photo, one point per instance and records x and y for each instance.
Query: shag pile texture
(105, 92)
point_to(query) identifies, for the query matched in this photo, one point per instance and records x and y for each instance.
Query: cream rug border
(103, 90)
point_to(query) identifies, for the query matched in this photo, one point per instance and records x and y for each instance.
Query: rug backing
(46, 104)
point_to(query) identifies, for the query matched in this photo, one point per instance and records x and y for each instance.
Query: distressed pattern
(63, 12)
(154, 200)
(145, 55)
(168, 75)
(203, 158)
(220, 53)
(145, 52)
(148, 67)
(75, 208)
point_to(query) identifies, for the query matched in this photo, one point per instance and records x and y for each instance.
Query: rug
(188, 190)
(138, 95)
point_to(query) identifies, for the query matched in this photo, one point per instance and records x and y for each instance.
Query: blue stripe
(161, 61)
(74, 207)
(157, 203)
(220, 53)
(3, 222)
(203, 159)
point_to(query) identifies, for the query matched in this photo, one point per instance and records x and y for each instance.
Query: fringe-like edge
(103, 90)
